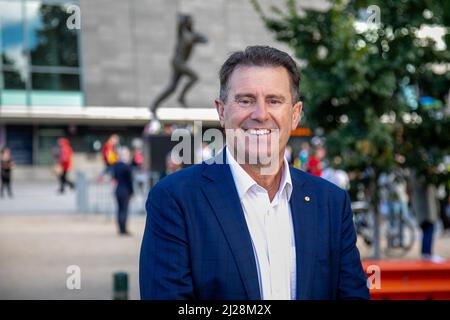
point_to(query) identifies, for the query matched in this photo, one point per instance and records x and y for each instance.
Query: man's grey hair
(260, 56)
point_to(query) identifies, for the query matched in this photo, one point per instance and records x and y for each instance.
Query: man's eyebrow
(244, 95)
(251, 95)
(276, 96)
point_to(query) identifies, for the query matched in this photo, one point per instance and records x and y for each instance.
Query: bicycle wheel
(400, 238)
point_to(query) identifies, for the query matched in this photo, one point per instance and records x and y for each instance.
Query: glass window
(56, 81)
(56, 89)
(11, 30)
(51, 43)
(13, 80)
(39, 62)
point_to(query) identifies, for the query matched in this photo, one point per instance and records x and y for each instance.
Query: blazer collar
(220, 190)
(304, 208)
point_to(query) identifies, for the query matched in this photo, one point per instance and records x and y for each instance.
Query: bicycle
(397, 230)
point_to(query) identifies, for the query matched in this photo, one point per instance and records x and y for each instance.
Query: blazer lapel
(304, 208)
(220, 190)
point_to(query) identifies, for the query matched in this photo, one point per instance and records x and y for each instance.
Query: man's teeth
(258, 131)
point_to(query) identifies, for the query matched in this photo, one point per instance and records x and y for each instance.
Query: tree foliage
(364, 67)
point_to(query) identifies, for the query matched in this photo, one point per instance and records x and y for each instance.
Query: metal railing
(97, 196)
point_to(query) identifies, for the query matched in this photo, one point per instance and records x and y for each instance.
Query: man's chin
(254, 157)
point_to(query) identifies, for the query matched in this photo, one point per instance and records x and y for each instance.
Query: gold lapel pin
(307, 199)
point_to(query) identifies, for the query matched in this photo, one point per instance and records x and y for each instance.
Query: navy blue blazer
(197, 245)
(122, 173)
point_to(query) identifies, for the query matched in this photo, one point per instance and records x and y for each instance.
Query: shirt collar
(244, 182)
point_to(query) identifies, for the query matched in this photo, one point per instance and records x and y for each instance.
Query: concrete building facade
(124, 51)
(127, 47)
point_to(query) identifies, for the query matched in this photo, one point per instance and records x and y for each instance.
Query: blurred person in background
(137, 166)
(303, 155)
(401, 189)
(314, 163)
(173, 164)
(447, 211)
(444, 198)
(64, 158)
(110, 153)
(6, 171)
(288, 154)
(138, 158)
(336, 175)
(425, 207)
(121, 171)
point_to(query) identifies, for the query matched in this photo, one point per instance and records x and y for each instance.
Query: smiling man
(246, 225)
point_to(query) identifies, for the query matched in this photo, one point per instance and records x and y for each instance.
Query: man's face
(259, 106)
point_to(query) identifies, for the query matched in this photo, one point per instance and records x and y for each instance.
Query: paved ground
(36, 250)
(43, 197)
(38, 197)
(41, 235)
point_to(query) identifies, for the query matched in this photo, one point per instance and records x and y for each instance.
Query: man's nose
(260, 112)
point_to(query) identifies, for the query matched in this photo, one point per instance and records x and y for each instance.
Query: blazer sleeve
(352, 278)
(164, 267)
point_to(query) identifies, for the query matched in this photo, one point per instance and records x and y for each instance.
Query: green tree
(363, 68)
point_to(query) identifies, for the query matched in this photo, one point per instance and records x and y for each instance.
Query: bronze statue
(186, 40)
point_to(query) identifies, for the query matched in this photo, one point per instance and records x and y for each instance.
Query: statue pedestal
(156, 149)
(157, 146)
(153, 127)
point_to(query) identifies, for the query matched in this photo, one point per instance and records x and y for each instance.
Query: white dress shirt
(271, 231)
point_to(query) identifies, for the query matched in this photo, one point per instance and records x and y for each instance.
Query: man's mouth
(258, 132)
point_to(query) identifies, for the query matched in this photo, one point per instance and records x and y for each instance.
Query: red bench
(409, 279)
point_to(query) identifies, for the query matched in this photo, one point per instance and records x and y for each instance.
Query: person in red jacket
(65, 154)
(314, 164)
(110, 153)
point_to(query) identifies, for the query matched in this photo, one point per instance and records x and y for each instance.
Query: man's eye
(274, 101)
(244, 102)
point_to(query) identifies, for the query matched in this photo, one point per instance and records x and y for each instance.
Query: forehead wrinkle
(245, 79)
(244, 94)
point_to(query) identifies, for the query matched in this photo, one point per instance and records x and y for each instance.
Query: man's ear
(296, 114)
(220, 110)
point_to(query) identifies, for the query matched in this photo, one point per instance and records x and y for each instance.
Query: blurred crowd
(399, 191)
